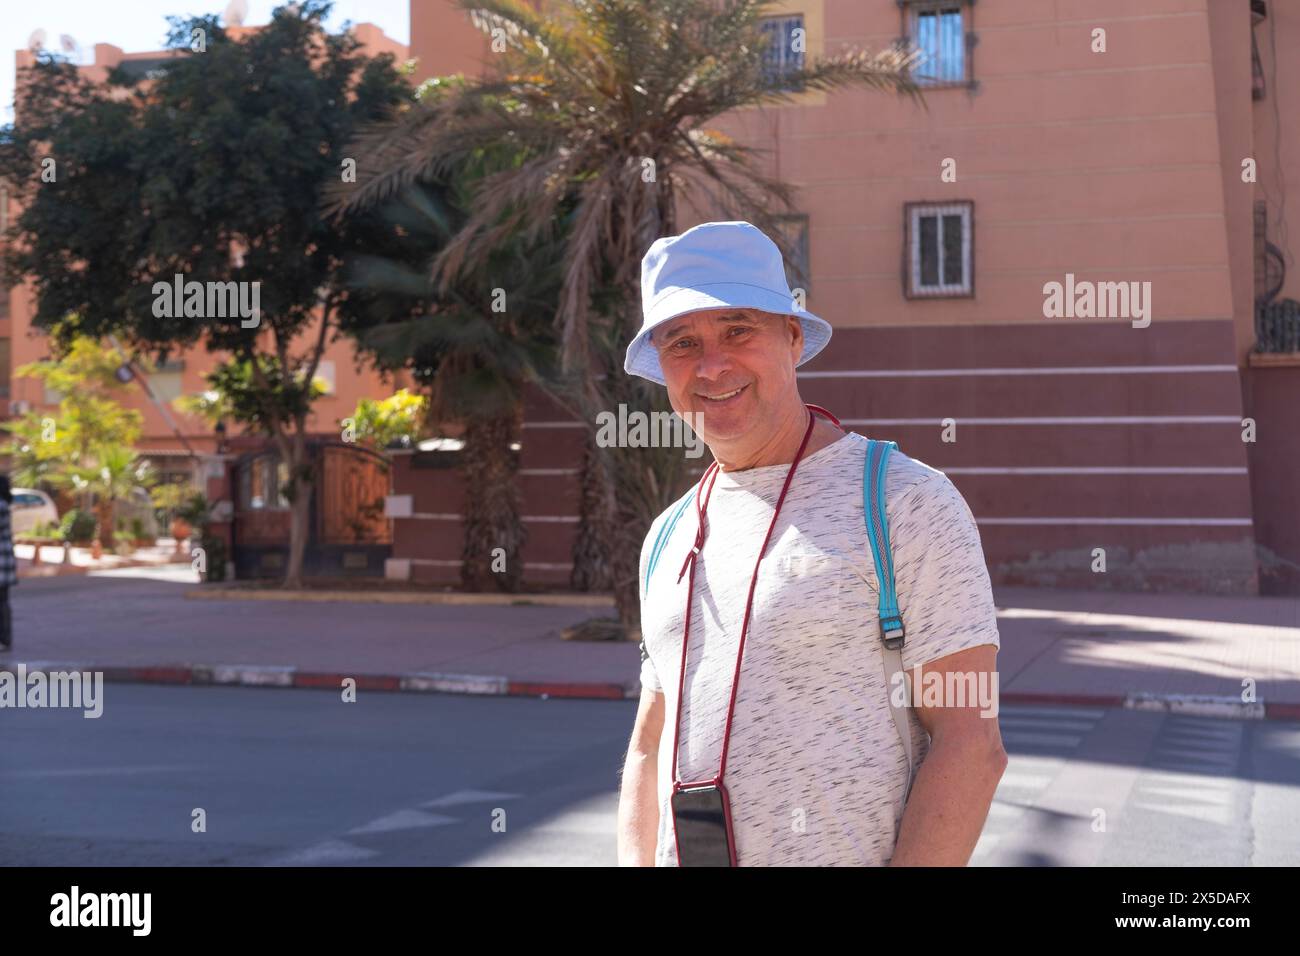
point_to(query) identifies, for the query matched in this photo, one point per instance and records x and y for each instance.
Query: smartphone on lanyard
(702, 824)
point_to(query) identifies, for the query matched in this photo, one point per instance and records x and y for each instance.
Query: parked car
(31, 508)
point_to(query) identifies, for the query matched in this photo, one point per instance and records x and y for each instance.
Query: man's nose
(713, 363)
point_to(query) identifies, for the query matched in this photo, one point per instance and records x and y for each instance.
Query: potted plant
(138, 537)
(191, 515)
(169, 500)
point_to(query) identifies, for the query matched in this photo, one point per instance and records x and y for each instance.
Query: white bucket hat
(711, 266)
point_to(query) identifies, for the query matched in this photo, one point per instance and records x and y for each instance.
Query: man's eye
(680, 342)
(740, 328)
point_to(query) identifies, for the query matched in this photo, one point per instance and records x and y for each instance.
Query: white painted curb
(1199, 705)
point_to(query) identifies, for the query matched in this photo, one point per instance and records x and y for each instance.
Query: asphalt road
(300, 777)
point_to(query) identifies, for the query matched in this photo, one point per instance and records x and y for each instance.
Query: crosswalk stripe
(1050, 740)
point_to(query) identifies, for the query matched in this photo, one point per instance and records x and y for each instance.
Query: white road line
(1026, 780)
(1044, 723)
(470, 796)
(329, 851)
(1050, 740)
(1018, 709)
(1217, 815)
(403, 820)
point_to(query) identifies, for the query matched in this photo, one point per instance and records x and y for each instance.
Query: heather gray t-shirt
(816, 771)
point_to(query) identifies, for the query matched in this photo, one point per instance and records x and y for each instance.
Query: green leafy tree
(215, 171)
(67, 449)
(608, 99)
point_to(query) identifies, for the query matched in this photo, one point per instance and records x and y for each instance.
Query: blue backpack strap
(662, 539)
(873, 507)
(891, 620)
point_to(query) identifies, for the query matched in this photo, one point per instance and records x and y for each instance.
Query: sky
(138, 25)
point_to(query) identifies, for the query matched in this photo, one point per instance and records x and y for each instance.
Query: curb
(403, 597)
(249, 675)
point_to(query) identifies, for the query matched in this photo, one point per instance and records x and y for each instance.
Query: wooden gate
(348, 535)
(350, 498)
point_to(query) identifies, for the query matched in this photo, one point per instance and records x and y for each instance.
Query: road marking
(403, 820)
(470, 796)
(329, 851)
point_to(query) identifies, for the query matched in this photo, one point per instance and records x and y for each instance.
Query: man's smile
(722, 396)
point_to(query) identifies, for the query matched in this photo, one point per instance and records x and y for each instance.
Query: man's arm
(956, 781)
(638, 801)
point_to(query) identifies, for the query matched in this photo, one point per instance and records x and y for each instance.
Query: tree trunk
(591, 568)
(104, 516)
(300, 483)
(623, 491)
(492, 551)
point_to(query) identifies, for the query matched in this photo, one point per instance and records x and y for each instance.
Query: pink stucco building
(1079, 142)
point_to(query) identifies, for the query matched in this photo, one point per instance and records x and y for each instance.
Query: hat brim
(642, 357)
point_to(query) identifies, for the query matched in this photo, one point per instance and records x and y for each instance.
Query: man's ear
(795, 329)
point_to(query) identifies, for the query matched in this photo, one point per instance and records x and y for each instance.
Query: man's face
(732, 369)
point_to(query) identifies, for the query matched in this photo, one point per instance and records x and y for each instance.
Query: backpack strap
(665, 534)
(891, 621)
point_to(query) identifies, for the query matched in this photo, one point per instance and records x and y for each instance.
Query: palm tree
(472, 350)
(117, 472)
(596, 94)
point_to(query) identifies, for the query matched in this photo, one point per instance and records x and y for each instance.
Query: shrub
(46, 531)
(77, 527)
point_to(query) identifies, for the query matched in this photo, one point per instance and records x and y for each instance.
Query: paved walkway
(1057, 646)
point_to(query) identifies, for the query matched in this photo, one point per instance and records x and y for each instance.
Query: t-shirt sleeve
(944, 591)
(649, 676)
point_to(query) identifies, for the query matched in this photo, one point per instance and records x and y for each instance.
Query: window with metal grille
(261, 481)
(783, 54)
(937, 30)
(939, 253)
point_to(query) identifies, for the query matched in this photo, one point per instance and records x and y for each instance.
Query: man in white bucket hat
(798, 605)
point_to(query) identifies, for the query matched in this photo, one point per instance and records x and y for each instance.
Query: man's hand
(955, 784)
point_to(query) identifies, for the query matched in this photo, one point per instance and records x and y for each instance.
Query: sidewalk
(79, 561)
(1063, 647)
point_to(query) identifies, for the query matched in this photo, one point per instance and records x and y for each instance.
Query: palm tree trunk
(494, 535)
(591, 564)
(104, 515)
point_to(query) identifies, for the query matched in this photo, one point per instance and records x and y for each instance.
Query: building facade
(1046, 282)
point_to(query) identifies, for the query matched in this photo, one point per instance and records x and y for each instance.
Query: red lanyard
(710, 477)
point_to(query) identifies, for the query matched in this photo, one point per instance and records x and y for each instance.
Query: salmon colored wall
(443, 41)
(1112, 166)
(1075, 434)
(1104, 165)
